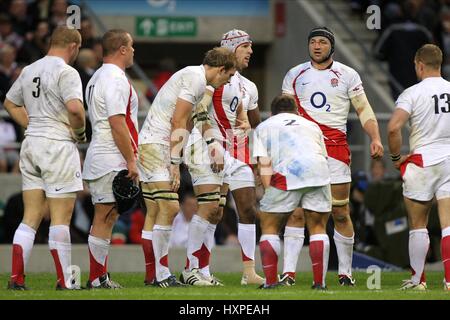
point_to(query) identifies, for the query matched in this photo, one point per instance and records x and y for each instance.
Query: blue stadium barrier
(363, 261)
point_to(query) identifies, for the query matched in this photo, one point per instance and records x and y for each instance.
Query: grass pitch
(42, 287)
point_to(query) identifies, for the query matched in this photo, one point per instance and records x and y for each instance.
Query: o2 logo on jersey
(234, 104)
(319, 100)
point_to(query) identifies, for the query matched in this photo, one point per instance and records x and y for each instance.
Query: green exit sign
(160, 27)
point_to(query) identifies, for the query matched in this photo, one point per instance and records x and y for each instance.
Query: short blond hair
(430, 55)
(220, 57)
(112, 41)
(62, 36)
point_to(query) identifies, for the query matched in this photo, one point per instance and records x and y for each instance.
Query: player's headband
(323, 32)
(234, 38)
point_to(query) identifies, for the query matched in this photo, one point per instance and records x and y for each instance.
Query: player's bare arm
(77, 119)
(254, 117)
(265, 171)
(18, 113)
(202, 122)
(369, 124)
(202, 108)
(178, 139)
(215, 149)
(242, 119)
(398, 120)
(121, 136)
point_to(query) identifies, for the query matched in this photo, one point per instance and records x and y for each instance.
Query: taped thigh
(164, 194)
(147, 193)
(208, 197)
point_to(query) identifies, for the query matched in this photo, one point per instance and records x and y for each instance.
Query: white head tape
(234, 38)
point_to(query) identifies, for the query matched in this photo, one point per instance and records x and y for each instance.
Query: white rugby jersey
(428, 104)
(109, 93)
(188, 84)
(226, 100)
(43, 88)
(297, 150)
(324, 96)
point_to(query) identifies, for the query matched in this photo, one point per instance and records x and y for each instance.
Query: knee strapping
(208, 197)
(340, 203)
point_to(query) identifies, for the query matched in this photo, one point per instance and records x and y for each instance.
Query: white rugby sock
(196, 249)
(61, 250)
(161, 239)
(293, 243)
(247, 239)
(98, 252)
(209, 242)
(344, 248)
(418, 245)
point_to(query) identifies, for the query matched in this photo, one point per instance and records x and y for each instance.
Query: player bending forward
(292, 163)
(161, 141)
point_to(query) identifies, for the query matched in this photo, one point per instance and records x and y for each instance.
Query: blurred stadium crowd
(25, 29)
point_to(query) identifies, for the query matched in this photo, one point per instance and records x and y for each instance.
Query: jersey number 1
(90, 92)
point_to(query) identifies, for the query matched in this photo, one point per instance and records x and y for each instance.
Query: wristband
(80, 134)
(176, 160)
(80, 131)
(396, 157)
(200, 117)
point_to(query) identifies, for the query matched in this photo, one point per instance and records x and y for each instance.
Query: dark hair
(113, 40)
(283, 103)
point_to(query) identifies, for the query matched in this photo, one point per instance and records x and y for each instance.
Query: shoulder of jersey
(109, 74)
(413, 89)
(247, 82)
(299, 67)
(343, 67)
(69, 67)
(191, 69)
(55, 64)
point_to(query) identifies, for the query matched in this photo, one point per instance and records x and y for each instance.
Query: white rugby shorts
(339, 171)
(154, 162)
(51, 165)
(317, 199)
(101, 188)
(238, 175)
(199, 164)
(422, 184)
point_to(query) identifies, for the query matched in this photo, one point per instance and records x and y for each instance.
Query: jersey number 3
(37, 92)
